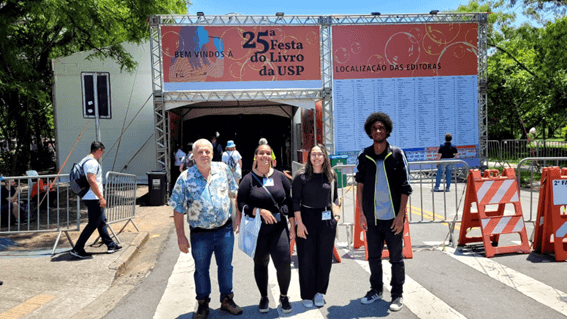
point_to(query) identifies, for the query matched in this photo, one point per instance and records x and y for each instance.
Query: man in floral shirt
(204, 193)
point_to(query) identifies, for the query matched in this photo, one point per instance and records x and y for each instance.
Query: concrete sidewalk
(37, 285)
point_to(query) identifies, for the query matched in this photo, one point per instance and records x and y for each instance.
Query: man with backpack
(95, 202)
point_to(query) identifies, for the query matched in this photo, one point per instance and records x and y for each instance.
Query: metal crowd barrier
(534, 165)
(439, 209)
(52, 210)
(120, 195)
(495, 151)
(57, 209)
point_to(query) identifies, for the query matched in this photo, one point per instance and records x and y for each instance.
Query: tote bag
(248, 237)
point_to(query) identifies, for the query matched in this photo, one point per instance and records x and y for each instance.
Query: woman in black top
(316, 225)
(265, 191)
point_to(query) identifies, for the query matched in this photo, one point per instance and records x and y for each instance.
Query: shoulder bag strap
(267, 191)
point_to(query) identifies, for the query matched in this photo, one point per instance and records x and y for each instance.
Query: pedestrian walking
(95, 202)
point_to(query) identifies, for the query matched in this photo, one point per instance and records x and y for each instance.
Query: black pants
(315, 253)
(97, 220)
(375, 237)
(273, 240)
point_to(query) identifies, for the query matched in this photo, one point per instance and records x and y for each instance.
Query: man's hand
(183, 244)
(102, 202)
(398, 224)
(363, 222)
(237, 220)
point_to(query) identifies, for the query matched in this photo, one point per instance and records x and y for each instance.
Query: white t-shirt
(179, 157)
(93, 167)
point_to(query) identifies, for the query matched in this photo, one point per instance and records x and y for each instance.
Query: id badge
(268, 181)
(326, 215)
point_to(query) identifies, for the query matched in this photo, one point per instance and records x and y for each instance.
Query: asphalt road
(441, 282)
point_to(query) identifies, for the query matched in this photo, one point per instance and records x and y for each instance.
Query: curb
(122, 261)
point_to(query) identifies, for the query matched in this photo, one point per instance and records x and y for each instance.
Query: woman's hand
(301, 230)
(292, 234)
(267, 216)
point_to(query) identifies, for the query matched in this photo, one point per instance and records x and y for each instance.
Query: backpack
(231, 162)
(78, 179)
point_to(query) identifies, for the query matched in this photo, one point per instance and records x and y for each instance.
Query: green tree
(542, 11)
(37, 31)
(526, 73)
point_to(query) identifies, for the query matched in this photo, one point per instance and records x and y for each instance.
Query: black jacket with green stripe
(397, 173)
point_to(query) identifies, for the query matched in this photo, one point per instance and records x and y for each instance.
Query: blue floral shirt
(206, 204)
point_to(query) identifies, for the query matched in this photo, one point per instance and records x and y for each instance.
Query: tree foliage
(527, 70)
(37, 31)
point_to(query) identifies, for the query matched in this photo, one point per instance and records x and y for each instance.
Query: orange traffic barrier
(492, 189)
(538, 225)
(551, 228)
(360, 238)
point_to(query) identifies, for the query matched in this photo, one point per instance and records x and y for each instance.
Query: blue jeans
(448, 175)
(203, 244)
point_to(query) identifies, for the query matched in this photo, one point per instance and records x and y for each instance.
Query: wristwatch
(337, 216)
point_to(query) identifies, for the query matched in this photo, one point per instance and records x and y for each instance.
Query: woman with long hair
(316, 224)
(266, 191)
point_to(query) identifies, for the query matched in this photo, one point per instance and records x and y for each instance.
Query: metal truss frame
(242, 95)
(482, 53)
(325, 93)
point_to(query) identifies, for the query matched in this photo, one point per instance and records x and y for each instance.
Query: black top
(447, 150)
(313, 193)
(252, 195)
(6, 194)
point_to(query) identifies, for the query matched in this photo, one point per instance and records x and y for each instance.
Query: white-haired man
(204, 193)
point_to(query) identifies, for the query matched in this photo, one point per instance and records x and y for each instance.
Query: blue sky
(319, 7)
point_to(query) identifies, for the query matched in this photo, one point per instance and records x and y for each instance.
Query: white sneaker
(397, 304)
(319, 301)
(307, 303)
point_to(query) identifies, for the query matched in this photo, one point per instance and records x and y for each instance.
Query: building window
(96, 97)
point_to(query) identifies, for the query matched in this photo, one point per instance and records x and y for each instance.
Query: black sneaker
(371, 296)
(264, 305)
(202, 310)
(81, 254)
(113, 248)
(286, 306)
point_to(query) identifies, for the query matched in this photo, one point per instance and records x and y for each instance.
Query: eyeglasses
(317, 154)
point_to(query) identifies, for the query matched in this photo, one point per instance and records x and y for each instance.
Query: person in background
(217, 149)
(204, 193)
(9, 202)
(265, 191)
(95, 202)
(316, 225)
(382, 191)
(446, 150)
(233, 159)
(179, 154)
(187, 160)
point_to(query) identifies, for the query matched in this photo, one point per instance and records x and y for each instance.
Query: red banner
(234, 54)
(394, 51)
